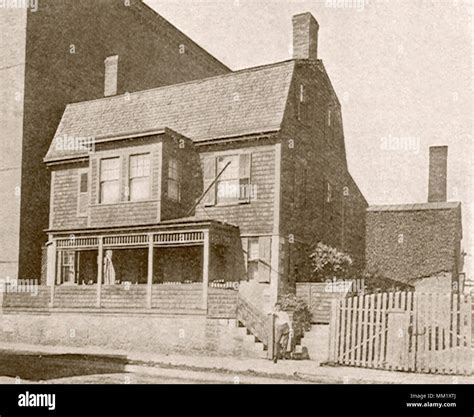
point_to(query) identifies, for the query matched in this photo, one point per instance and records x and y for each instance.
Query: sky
(402, 70)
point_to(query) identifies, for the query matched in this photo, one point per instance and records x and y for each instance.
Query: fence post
(333, 330)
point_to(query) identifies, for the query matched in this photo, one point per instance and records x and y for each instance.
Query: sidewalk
(298, 371)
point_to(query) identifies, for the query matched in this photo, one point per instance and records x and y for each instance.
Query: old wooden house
(255, 155)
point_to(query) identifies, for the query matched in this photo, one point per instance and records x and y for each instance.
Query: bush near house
(328, 263)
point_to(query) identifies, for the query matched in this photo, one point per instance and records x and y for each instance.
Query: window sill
(119, 203)
(241, 203)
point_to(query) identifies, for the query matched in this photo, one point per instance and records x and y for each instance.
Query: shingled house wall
(65, 64)
(410, 244)
(65, 185)
(309, 144)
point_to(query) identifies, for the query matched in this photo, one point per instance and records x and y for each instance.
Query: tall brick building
(57, 55)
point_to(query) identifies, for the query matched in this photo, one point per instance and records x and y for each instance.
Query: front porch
(168, 266)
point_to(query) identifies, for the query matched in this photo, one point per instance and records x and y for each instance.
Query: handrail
(254, 320)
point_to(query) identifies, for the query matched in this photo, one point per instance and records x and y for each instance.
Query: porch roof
(181, 232)
(166, 225)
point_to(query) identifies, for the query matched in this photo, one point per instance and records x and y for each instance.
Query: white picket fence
(403, 331)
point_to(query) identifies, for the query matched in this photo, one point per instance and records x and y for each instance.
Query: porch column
(51, 272)
(100, 270)
(51, 263)
(150, 271)
(205, 268)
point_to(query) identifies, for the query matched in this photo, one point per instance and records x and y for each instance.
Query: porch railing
(179, 298)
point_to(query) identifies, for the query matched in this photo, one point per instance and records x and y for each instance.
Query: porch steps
(251, 347)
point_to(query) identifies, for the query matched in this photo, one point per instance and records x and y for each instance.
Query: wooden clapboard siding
(403, 331)
(255, 217)
(125, 212)
(65, 194)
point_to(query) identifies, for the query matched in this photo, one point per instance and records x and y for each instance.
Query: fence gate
(403, 331)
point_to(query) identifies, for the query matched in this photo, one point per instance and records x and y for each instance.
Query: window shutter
(245, 161)
(209, 173)
(264, 269)
(83, 197)
(245, 243)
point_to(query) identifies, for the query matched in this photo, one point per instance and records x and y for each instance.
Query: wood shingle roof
(240, 103)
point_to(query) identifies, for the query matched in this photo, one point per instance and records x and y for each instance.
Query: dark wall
(151, 53)
(313, 155)
(403, 245)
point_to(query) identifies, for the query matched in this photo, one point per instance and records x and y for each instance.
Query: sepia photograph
(237, 192)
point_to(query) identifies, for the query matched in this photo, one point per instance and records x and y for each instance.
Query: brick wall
(404, 245)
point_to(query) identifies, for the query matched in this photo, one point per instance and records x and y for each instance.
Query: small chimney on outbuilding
(438, 175)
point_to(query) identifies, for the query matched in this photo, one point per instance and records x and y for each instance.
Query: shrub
(327, 263)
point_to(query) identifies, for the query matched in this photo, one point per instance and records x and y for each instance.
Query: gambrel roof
(239, 103)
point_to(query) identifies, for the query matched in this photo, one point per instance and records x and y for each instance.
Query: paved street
(18, 367)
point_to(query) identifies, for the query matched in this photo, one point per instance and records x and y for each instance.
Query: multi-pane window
(109, 180)
(68, 267)
(174, 179)
(139, 181)
(233, 186)
(228, 182)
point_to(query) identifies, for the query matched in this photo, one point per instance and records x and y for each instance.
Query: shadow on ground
(36, 367)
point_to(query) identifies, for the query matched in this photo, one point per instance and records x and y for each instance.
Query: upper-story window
(139, 181)
(329, 121)
(329, 193)
(233, 186)
(83, 199)
(302, 93)
(174, 179)
(109, 180)
(302, 104)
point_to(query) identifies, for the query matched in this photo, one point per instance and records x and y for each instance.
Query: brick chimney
(111, 75)
(437, 183)
(305, 36)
